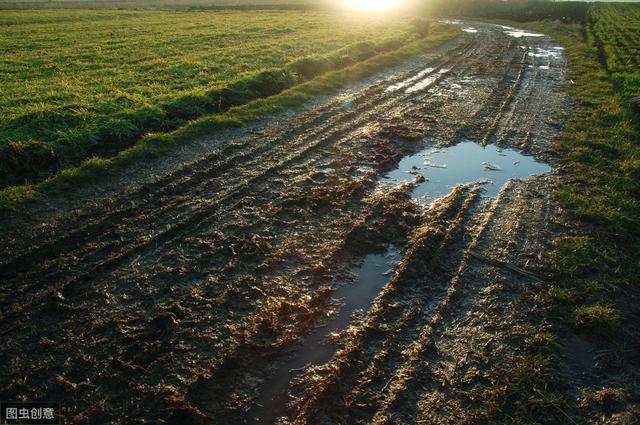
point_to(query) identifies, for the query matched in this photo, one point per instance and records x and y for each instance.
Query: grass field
(599, 261)
(83, 83)
(162, 4)
(615, 30)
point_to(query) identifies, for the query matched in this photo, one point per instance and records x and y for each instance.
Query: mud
(181, 295)
(427, 348)
(354, 298)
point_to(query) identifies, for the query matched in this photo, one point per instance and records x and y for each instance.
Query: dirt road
(188, 295)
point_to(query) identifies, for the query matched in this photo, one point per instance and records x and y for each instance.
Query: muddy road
(346, 264)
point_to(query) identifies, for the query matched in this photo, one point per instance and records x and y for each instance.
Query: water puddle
(451, 21)
(408, 81)
(369, 279)
(422, 83)
(539, 52)
(546, 67)
(427, 81)
(517, 33)
(546, 56)
(466, 162)
(470, 30)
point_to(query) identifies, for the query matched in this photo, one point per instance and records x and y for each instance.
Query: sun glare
(373, 5)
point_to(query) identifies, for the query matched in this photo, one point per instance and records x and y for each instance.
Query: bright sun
(372, 5)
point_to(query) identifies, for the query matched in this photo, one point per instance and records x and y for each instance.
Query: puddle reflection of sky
(465, 162)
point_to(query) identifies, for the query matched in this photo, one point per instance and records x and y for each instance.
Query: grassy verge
(596, 260)
(156, 144)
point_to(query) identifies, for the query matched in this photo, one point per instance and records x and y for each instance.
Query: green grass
(615, 30)
(159, 143)
(83, 83)
(598, 260)
(520, 11)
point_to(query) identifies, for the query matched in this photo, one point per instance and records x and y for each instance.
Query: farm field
(615, 30)
(434, 224)
(82, 83)
(160, 4)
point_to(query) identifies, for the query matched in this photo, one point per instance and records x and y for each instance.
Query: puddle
(421, 84)
(427, 81)
(369, 279)
(520, 34)
(408, 81)
(517, 33)
(470, 30)
(554, 52)
(546, 56)
(466, 162)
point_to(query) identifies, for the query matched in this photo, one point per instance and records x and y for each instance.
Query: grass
(158, 4)
(615, 30)
(83, 83)
(159, 143)
(524, 392)
(597, 261)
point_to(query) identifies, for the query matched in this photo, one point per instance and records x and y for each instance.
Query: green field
(598, 261)
(159, 4)
(615, 30)
(602, 159)
(83, 83)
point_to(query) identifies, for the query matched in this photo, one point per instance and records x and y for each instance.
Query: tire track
(412, 360)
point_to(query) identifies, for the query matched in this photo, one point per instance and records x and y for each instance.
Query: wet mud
(320, 269)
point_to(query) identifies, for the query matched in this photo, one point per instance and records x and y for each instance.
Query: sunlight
(373, 5)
